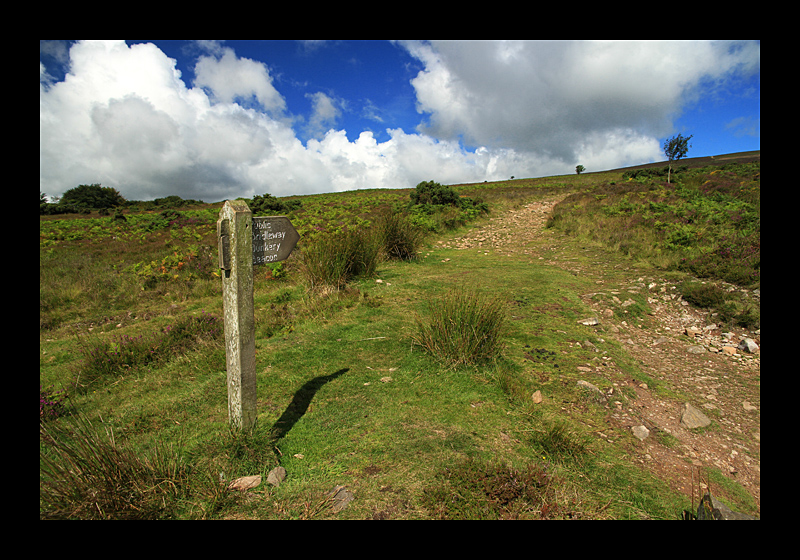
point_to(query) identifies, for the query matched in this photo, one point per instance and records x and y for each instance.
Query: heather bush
(51, 403)
(702, 295)
(708, 223)
(474, 489)
(110, 356)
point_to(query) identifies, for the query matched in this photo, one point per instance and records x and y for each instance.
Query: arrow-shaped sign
(274, 238)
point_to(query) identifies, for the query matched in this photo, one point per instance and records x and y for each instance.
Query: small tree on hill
(430, 192)
(266, 204)
(580, 169)
(675, 148)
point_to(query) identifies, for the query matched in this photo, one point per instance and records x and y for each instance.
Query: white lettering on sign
(273, 239)
(265, 253)
(268, 235)
(262, 224)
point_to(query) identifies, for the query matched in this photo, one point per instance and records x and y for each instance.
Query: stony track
(724, 384)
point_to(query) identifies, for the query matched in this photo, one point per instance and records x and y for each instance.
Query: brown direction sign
(274, 237)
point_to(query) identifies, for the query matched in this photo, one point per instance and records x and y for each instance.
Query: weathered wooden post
(235, 235)
(242, 242)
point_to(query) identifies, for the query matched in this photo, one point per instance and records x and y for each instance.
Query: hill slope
(347, 399)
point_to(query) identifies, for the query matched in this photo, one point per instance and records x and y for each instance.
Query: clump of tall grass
(399, 238)
(464, 328)
(729, 307)
(84, 474)
(330, 261)
(561, 443)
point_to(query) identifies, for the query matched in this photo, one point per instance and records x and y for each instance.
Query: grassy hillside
(133, 404)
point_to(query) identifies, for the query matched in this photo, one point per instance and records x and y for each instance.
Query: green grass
(109, 356)
(346, 393)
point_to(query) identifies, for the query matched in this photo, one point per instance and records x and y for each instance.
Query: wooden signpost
(245, 241)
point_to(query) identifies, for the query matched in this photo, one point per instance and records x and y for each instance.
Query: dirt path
(725, 387)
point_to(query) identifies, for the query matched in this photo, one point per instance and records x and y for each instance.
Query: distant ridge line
(736, 157)
(722, 159)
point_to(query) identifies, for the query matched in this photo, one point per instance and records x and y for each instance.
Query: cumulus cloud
(232, 78)
(125, 117)
(121, 117)
(566, 100)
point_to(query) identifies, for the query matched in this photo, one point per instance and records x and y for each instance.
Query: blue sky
(220, 119)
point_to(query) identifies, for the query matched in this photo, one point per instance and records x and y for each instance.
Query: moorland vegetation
(133, 417)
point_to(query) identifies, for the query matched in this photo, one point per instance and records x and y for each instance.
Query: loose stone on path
(245, 482)
(276, 476)
(641, 432)
(691, 417)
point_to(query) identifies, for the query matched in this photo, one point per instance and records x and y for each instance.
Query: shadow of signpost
(299, 405)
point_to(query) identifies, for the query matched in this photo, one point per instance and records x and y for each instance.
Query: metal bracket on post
(224, 244)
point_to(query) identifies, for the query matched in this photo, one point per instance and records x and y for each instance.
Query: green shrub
(474, 207)
(464, 328)
(92, 196)
(435, 207)
(277, 270)
(267, 205)
(429, 192)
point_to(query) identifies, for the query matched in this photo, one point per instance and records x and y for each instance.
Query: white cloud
(611, 149)
(230, 78)
(120, 117)
(372, 112)
(124, 117)
(566, 100)
(745, 126)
